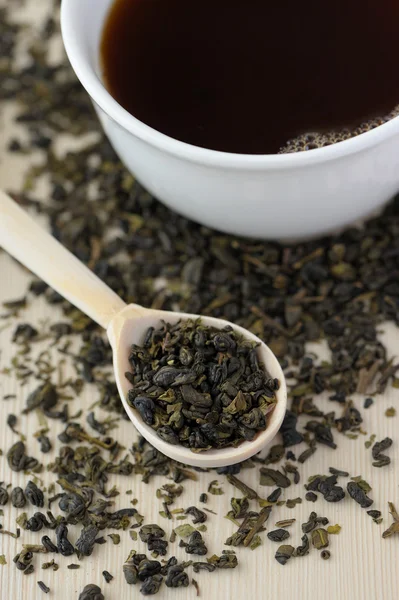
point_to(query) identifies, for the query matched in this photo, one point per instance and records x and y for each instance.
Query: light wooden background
(363, 566)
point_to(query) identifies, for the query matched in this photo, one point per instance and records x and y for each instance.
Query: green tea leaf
(185, 530)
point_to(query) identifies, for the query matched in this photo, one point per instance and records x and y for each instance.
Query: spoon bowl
(129, 327)
(35, 248)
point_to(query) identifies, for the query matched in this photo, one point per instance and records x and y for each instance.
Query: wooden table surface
(363, 566)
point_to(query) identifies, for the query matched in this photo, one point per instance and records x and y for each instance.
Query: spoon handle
(42, 254)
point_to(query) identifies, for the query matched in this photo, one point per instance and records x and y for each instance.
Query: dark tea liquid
(248, 76)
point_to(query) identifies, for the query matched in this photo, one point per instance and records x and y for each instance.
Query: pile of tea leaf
(338, 290)
(199, 386)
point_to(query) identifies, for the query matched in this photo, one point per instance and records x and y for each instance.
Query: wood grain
(363, 566)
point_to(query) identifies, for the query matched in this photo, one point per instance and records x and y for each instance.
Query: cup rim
(214, 158)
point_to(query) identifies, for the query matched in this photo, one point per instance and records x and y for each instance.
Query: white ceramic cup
(287, 196)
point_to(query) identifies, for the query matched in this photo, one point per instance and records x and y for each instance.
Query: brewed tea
(254, 77)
